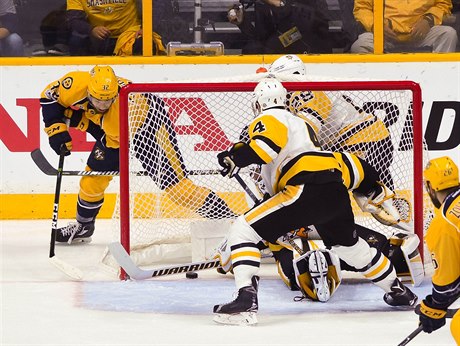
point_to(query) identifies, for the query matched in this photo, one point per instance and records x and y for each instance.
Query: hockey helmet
(318, 274)
(102, 87)
(269, 93)
(288, 64)
(441, 173)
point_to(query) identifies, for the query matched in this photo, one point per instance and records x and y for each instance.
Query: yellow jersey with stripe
(443, 242)
(335, 118)
(283, 142)
(71, 92)
(116, 15)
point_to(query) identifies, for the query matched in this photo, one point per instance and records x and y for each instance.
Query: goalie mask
(102, 88)
(269, 93)
(288, 64)
(318, 274)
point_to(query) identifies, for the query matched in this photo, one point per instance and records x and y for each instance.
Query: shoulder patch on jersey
(67, 83)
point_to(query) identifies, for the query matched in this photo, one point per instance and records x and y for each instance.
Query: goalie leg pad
(409, 259)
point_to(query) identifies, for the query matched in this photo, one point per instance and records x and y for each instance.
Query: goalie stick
(136, 273)
(66, 268)
(44, 165)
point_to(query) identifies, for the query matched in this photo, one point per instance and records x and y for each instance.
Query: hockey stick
(411, 336)
(44, 165)
(449, 314)
(66, 268)
(136, 273)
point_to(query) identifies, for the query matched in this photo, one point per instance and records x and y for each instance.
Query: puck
(191, 275)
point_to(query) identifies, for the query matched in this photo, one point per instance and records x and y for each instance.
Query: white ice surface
(41, 306)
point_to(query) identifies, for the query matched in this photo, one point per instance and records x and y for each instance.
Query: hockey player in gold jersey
(89, 101)
(443, 241)
(306, 188)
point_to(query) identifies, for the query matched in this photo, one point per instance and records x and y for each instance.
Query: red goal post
(229, 104)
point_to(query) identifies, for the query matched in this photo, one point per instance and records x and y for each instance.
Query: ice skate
(242, 310)
(400, 295)
(75, 232)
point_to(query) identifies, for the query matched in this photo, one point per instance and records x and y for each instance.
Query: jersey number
(259, 127)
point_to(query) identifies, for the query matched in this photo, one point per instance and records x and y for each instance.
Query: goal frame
(249, 87)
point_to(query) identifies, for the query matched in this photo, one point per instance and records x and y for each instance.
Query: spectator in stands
(11, 43)
(408, 26)
(286, 26)
(55, 33)
(107, 29)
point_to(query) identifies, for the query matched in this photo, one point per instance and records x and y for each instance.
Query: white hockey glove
(223, 254)
(318, 274)
(381, 206)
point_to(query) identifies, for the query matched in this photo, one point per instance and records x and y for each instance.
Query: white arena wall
(26, 193)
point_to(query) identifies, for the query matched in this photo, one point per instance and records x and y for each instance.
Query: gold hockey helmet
(441, 173)
(102, 87)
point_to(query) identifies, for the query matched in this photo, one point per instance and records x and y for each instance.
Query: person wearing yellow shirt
(443, 242)
(407, 25)
(110, 27)
(89, 102)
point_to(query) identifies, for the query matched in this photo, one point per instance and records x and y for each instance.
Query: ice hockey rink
(42, 306)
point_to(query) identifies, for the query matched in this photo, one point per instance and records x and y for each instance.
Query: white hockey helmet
(269, 93)
(288, 64)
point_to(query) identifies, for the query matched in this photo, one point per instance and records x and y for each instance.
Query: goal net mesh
(171, 134)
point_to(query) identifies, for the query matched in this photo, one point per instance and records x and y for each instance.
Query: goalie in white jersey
(306, 188)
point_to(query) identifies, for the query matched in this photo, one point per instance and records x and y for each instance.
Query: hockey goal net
(171, 133)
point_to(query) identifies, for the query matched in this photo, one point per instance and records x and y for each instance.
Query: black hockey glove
(432, 317)
(59, 136)
(226, 161)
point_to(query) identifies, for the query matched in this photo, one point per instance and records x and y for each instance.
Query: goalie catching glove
(380, 205)
(318, 274)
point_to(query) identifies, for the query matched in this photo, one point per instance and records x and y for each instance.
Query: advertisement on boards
(21, 128)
